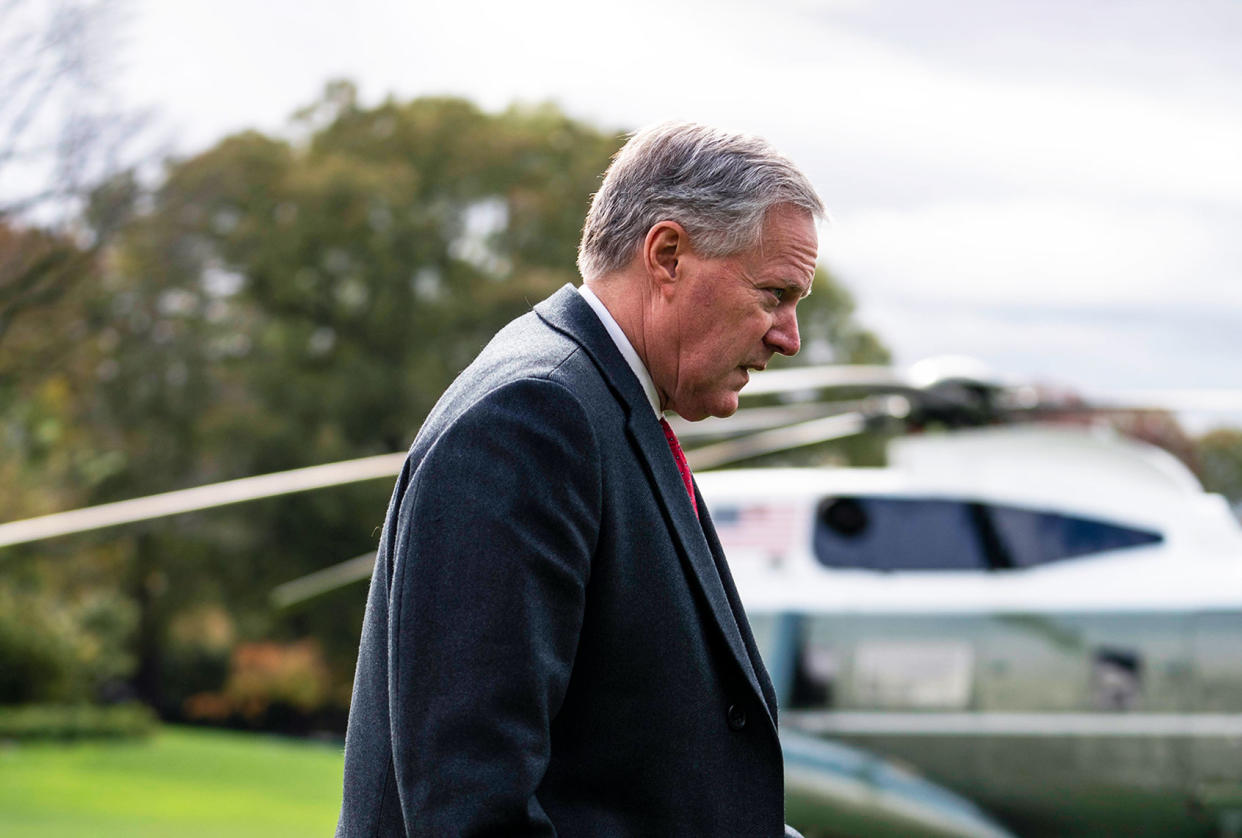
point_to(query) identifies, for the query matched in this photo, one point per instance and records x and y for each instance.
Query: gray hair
(718, 185)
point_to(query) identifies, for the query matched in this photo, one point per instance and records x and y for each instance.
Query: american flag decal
(769, 529)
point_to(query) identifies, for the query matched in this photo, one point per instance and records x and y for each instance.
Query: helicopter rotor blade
(784, 438)
(200, 497)
(751, 419)
(802, 379)
(324, 581)
(961, 392)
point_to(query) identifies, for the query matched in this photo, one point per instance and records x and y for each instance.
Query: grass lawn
(182, 782)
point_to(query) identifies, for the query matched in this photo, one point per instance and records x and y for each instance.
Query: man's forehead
(791, 226)
(792, 254)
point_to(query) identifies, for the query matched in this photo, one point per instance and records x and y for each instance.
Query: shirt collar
(624, 345)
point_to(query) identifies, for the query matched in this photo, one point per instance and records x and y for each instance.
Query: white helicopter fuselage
(1197, 564)
(1069, 693)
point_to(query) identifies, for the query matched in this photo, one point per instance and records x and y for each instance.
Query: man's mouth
(746, 368)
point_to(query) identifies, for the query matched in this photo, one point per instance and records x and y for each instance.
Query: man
(553, 643)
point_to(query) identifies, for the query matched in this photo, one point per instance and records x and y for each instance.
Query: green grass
(181, 782)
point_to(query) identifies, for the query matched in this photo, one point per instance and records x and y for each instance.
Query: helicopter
(1009, 626)
(1043, 618)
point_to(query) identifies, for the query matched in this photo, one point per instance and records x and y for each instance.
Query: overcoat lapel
(735, 602)
(714, 581)
(567, 312)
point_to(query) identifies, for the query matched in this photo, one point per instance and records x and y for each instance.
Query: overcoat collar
(571, 315)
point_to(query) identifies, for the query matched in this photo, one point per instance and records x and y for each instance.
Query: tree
(830, 334)
(1220, 463)
(65, 149)
(62, 142)
(61, 131)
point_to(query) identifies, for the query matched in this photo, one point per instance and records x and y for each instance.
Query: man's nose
(783, 336)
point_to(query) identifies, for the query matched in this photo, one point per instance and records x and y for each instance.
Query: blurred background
(238, 238)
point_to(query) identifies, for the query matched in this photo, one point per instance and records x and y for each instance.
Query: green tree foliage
(1220, 463)
(278, 303)
(58, 650)
(830, 334)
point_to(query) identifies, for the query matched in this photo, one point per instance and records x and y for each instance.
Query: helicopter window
(878, 533)
(1048, 536)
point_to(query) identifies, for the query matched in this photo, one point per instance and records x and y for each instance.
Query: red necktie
(682, 465)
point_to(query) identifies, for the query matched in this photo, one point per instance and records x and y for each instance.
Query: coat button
(737, 717)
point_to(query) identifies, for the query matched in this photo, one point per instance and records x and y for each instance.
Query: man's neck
(630, 341)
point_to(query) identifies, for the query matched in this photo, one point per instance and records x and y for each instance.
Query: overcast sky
(1053, 187)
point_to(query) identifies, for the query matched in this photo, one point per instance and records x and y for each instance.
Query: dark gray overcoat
(553, 644)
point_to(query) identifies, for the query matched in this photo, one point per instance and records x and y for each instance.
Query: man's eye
(779, 293)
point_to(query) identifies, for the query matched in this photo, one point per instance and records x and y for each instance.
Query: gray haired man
(553, 643)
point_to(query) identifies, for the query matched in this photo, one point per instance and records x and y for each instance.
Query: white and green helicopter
(1045, 618)
(1010, 628)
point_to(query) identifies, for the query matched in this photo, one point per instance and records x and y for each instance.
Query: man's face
(730, 315)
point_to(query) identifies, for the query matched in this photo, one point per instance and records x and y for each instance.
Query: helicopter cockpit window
(890, 533)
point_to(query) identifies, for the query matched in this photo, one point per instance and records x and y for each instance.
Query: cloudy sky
(1051, 186)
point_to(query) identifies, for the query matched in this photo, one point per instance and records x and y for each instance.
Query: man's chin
(721, 404)
(721, 409)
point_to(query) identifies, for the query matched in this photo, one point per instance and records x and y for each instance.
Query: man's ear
(664, 248)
